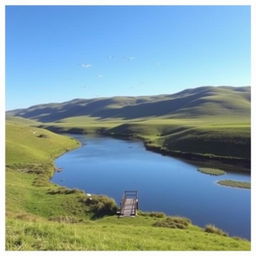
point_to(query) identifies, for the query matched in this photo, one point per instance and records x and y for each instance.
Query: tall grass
(49, 235)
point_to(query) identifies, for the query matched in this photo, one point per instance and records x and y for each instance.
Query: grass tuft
(66, 219)
(100, 205)
(212, 229)
(63, 190)
(152, 214)
(173, 222)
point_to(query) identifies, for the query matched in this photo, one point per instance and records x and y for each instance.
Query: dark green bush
(101, 205)
(62, 190)
(157, 214)
(41, 180)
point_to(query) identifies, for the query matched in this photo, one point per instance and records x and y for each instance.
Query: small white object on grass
(90, 196)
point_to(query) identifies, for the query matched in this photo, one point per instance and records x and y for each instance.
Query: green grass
(212, 171)
(25, 144)
(235, 184)
(38, 220)
(211, 137)
(24, 197)
(44, 216)
(205, 122)
(173, 222)
(113, 234)
(212, 229)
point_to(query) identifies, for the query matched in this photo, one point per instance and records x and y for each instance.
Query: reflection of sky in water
(110, 166)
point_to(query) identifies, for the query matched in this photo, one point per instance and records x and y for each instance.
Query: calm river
(109, 166)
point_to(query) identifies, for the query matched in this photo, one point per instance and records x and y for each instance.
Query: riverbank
(50, 217)
(230, 164)
(237, 164)
(120, 162)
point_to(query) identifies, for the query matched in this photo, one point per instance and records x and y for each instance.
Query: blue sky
(57, 53)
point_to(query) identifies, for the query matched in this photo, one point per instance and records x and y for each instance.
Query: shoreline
(237, 165)
(129, 139)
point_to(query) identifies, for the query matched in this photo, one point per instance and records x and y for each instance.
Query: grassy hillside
(27, 144)
(216, 139)
(205, 122)
(44, 216)
(198, 102)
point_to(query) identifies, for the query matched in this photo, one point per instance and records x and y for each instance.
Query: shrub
(212, 229)
(36, 168)
(173, 222)
(62, 190)
(157, 214)
(101, 205)
(41, 180)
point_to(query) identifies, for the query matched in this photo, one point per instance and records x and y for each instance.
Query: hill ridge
(206, 100)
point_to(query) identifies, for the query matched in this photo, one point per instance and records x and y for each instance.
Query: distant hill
(199, 123)
(197, 102)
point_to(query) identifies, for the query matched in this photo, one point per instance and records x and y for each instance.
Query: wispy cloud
(83, 65)
(111, 57)
(99, 76)
(127, 58)
(130, 58)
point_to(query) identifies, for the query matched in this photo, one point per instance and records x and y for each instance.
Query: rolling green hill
(44, 216)
(205, 123)
(191, 103)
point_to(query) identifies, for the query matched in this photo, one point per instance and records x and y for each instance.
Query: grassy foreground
(113, 234)
(44, 216)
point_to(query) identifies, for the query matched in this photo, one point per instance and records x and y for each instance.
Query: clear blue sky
(57, 53)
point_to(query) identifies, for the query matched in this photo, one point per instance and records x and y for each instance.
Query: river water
(110, 166)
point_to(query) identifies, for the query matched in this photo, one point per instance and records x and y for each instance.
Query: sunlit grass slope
(27, 144)
(222, 137)
(212, 122)
(44, 216)
(114, 234)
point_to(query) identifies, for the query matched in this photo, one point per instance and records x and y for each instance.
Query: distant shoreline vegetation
(212, 171)
(235, 184)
